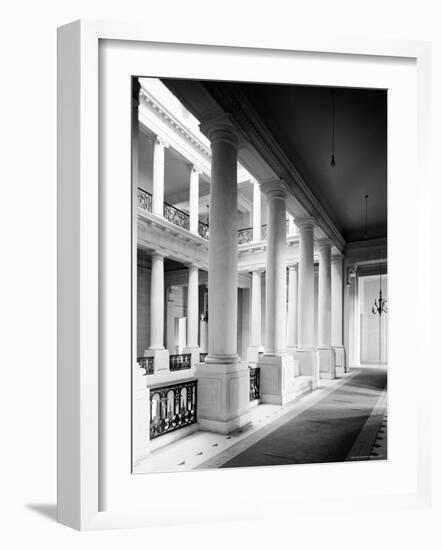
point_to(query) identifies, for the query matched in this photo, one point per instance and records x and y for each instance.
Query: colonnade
(289, 346)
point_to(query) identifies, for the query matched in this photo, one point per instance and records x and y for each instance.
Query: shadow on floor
(49, 511)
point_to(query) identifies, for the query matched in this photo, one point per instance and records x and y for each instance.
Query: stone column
(194, 199)
(327, 368)
(156, 348)
(203, 325)
(337, 306)
(223, 381)
(257, 235)
(291, 229)
(292, 310)
(306, 353)
(277, 367)
(255, 347)
(192, 314)
(158, 176)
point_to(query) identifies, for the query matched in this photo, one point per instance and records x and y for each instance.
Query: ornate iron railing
(146, 363)
(245, 235)
(203, 357)
(176, 216)
(180, 361)
(203, 230)
(144, 200)
(172, 407)
(254, 383)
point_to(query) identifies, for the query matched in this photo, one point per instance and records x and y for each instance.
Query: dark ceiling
(300, 119)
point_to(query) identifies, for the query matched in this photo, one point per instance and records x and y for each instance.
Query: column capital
(257, 269)
(158, 254)
(194, 168)
(273, 189)
(323, 244)
(305, 222)
(220, 128)
(155, 139)
(192, 265)
(293, 266)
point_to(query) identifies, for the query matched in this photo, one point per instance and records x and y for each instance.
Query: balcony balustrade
(203, 357)
(203, 230)
(144, 200)
(245, 235)
(146, 363)
(254, 383)
(182, 219)
(180, 361)
(172, 407)
(176, 216)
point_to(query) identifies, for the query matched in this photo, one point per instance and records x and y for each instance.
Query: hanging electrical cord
(332, 161)
(366, 216)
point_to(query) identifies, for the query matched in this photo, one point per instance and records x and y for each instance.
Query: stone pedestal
(223, 396)
(340, 358)
(308, 360)
(253, 353)
(195, 352)
(327, 367)
(277, 378)
(161, 358)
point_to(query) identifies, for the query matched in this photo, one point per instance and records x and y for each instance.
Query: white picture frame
(80, 395)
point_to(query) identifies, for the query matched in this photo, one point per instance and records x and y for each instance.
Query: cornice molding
(149, 101)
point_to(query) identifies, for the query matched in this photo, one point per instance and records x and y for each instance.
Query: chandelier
(380, 305)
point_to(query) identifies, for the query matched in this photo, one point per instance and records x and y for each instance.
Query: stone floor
(322, 426)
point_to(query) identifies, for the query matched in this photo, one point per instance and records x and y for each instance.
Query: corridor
(327, 431)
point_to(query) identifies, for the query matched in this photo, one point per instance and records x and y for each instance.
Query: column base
(253, 353)
(161, 359)
(327, 366)
(340, 358)
(277, 379)
(308, 360)
(223, 396)
(195, 353)
(292, 350)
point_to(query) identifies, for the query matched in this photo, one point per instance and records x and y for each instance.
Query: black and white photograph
(260, 290)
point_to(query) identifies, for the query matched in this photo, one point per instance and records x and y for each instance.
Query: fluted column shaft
(193, 199)
(192, 307)
(157, 302)
(306, 284)
(292, 311)
(276, 273)
(324, 296)
(255, 336)
(256, 212)
(158, 177)
(337, 301)
(223, 246)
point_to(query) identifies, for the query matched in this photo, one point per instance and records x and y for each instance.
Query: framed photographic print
(233, 277)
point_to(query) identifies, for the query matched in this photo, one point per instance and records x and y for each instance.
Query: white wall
(373, 328)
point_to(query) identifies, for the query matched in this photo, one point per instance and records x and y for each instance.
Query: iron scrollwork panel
(172, 407)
